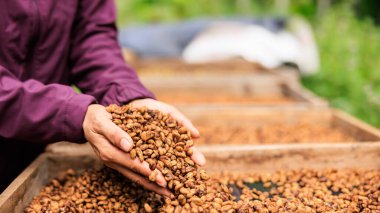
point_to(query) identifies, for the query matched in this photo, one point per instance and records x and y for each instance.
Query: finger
(114, 134)
(138, 179)
(182, 119)
(198, 157)
(110, 154)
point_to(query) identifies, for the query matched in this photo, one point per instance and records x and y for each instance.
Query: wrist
(75, 112)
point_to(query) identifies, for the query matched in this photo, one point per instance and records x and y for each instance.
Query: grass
(349, 77)
(141, 11)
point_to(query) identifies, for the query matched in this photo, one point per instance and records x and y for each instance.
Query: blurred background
(347, 35)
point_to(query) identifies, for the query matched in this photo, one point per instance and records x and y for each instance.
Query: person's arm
(32, 111)
(97, 65)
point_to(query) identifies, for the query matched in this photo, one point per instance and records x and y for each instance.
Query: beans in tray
(272, 134)
(329, 190)
(307, 190)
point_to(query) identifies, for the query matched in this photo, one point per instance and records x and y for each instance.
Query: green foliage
(369, 9)
(140, 11)
(349, 75)
(349, 47)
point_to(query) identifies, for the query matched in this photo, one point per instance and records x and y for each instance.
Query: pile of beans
(307, 190)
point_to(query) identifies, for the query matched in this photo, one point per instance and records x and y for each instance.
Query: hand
(197, 156)
(111, 143)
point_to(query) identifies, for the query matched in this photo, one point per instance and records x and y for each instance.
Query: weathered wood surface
(231, 89)
(237, 79)
(173, 67)
(177, 67)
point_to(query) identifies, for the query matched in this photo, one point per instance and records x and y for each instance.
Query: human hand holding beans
(111, 143)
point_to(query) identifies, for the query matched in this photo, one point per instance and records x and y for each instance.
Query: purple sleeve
(97, 65)
(32, 111)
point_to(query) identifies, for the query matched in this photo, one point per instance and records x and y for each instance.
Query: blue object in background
(167, 40)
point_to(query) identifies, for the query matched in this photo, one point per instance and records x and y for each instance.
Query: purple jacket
(45, 47)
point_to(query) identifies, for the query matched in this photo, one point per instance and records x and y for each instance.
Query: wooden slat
(239, 80)
(175, 67)
(231, 89)
(170, 67)
(355, 126)
(255, 115)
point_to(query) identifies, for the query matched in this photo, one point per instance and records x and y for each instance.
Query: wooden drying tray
(261, 116)
(232, 159)
(179, 68)
(244, 117)
(261, 90)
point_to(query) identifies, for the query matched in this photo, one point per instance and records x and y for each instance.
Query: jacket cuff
(134, 94)
(124, 95)
(75, 111)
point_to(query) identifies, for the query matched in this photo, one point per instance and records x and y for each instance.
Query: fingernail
(200, 158)
(194, 132)
(197, 133)
(125, 144)
(161, 183)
